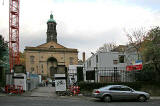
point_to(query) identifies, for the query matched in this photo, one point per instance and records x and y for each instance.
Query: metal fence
(111, 74)
(33, 82)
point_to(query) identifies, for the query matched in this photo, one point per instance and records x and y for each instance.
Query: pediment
(51, 45)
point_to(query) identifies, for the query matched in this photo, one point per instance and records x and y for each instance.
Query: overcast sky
(82, 24)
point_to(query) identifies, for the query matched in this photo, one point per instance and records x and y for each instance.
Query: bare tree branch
(107, 47)
(135, 38)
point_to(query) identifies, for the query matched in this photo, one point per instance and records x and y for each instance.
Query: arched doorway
(53, 70)
(52, 66)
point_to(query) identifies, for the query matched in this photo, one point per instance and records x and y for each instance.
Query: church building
(50, 58)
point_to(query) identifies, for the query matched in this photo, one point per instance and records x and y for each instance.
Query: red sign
(134, 67)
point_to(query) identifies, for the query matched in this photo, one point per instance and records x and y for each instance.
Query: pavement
(50, 92)
(41, 92)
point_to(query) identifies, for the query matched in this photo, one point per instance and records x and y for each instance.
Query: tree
(2, 48)
(151, 53)
(4, 62)
(147, 74)
(135, 39)
(107, 47)
(22, 58)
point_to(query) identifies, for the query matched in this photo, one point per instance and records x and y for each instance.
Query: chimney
(83, 56)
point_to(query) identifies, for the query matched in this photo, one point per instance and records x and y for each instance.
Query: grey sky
(82, 24)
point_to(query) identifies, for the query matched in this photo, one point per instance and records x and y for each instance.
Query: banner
(134, 67)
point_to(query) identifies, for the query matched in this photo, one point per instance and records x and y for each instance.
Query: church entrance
(53, 70)
(52, 66)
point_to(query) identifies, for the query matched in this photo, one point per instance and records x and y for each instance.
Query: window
(51, 47)
(96, 58)
(51, 26)
(71, 60)
(121, 58)
(72, 78)
(115, 61)
(42, 66)
(32, 69)
(42, 71)
(32, 59)
(125, 89)
(89, 63)
(115, 88)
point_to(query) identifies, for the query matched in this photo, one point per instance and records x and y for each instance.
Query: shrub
(84, 86)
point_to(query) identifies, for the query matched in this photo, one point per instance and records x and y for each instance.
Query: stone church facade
(50, 58)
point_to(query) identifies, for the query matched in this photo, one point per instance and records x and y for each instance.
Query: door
(127, 93)
(52, 71)
(116, 93)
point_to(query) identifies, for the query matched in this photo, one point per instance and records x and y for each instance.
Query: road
(46, 96)
(67, 101)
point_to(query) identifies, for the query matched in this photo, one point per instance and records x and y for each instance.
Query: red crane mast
(14, 33)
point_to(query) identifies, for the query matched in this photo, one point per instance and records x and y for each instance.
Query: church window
(51, 26)
(32, 59)
(42, 66)
(32, 69)
(71, 60)
(51, 47)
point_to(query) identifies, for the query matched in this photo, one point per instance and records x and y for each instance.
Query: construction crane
(14, 56)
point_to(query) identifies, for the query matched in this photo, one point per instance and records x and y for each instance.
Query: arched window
(71, 60)
(32, 59)
(32, 69)
(51, 47)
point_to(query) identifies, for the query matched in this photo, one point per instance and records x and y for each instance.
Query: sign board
(9, 79)
(137, 65)
(60, 82)
(134, 67)
(60, 85)
(90, 75)
(19, 69)
(20, 79)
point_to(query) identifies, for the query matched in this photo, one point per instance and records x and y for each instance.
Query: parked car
(119, 92)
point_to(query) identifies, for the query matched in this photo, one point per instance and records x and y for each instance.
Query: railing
(111, 74)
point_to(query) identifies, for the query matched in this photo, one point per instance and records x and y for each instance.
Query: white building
(72, 73)
(108, 66)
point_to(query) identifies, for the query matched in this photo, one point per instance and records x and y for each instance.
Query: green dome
(51, 19)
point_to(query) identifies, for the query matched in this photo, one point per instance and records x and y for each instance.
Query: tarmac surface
(50, 91)
(46, 96)
(42, 92)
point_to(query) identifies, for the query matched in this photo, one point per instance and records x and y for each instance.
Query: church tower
(51, 30)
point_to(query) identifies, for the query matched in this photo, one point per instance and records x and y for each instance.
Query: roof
(51, 43)
(120, 48)
(51, 19)
(52, 47)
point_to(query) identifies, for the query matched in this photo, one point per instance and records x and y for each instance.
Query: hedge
(84, 86)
